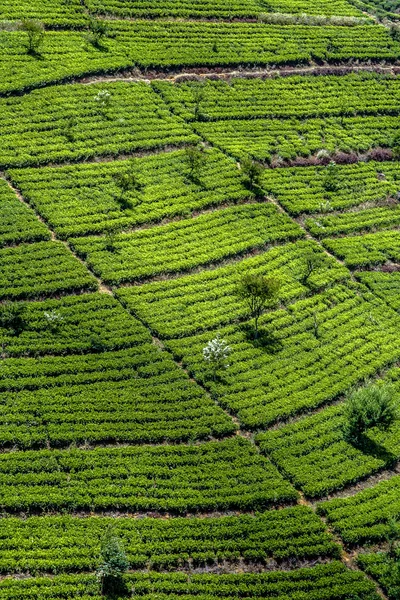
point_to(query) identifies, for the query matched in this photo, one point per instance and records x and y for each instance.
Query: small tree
(110, 240)
(195, 158)
(216, 353)
(311, 262)
(113, 563)
(127, 182)
(98, 31)
(35, 32)
(68, 130)
(330, 181)
(252, 173)
(257, 291)
(13, 317)
(198, 96)
(367, 407)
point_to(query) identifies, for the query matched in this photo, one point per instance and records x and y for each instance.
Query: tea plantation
(199, 299)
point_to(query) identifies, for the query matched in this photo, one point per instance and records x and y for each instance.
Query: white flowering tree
(216, 353)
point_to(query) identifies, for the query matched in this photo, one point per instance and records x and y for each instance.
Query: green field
(199, 299)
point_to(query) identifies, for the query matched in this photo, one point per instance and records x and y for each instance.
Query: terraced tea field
(166, 434)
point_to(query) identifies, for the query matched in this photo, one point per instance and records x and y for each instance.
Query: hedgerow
(33, 127)
(354, 221)
(206, 300)
(383, 569)
(314, 456)
(56, 13)
(273, 139)
(41, 269)
(163, 44)
(137, 395)
(83, 199)
(17, 222)
(364, 517)
(216, 9)
(73, 324)
(366, 250)
(310, 354)
(185, 244)
(332, 581)
(179, 479)
(173, 8)
(283, 97)
(383, 285)
(64, 543)
(304, 190)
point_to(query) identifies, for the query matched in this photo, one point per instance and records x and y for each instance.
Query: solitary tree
(252, 173)
(195, 158)
(330, 179)
(113, 564)
(35, 32)
(311, 262)
(216, 353)
(127, 182)
(98, 30)
(257, 291)
(366, 407)
(13, 317)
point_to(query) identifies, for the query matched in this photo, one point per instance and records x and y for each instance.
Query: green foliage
(92, 191)
(257, 292)
(330, 177)
(185, 244)
(229, 474)
(65, 543)
(367, 407)
(41, 269)
(35, 33)
(333, 578)
(252, 173)
(369, 516)
(195, 157)
(98, 31)
(13, 317)
(113, 564)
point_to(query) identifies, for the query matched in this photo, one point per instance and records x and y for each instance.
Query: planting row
(76, 122)
(328, 188)
(97, 197)
(383, 568)
(213, 475)
(161, 44)
(209, 299)
(383, 285)
(17, 222)
(366, 517)
(332, 581)
(305, 355)
(314, 455)
(51, 12)
(67, 544)
(366, 250)
(73, 324)
(217, 9)
(187, 244)
(276, 140)
(137, 395)
(41, 269)
(295, 96)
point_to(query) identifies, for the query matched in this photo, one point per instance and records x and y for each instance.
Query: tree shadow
(372, 448)
(265, 340)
